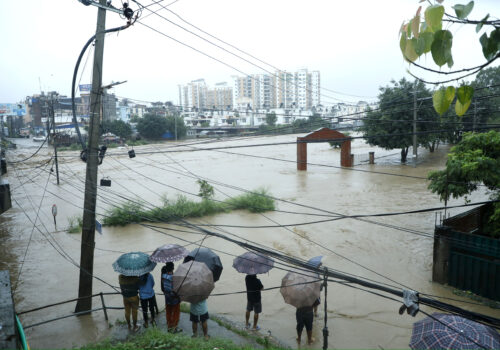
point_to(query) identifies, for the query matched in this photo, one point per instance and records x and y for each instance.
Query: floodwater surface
(395, 250)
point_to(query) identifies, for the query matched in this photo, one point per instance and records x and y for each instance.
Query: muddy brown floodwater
(356, 319)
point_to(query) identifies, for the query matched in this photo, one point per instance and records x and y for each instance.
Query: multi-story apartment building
(280, 90)
(220, 97)
(193, 94)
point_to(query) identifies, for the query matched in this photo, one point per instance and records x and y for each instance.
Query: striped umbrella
(447, 331)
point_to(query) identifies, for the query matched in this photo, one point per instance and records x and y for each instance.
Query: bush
(256, 202)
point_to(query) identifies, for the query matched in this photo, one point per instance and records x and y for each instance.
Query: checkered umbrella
(446, 331)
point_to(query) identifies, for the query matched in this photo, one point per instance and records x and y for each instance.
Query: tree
(474, 161)
(423, 35)
(486, 106)
(134, 118)
(117, 127)
(271, 118)
(181, 127)
(152, 126)
(391, 125)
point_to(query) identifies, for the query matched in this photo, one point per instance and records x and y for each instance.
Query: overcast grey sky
(354, 44)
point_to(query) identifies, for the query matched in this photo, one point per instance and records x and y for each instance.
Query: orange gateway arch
(323, 135)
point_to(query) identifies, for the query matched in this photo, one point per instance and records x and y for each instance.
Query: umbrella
(208, 257)
(316, 261)
(133, 264)
(193, 281)
(252, 263)
(446, 331)
(300, 290)
(168, 252)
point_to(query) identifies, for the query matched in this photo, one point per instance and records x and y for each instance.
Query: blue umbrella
(133, 264)
(447, 331)
(316, 261)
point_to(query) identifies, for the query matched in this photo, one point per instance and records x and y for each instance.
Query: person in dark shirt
(304, 317)
(129, 286)
(254, 286)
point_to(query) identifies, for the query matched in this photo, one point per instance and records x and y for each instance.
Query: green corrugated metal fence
(474, 264)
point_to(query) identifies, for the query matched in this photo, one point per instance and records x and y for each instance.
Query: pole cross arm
(95, 3)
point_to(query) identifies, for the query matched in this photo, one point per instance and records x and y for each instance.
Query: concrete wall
(8, 329)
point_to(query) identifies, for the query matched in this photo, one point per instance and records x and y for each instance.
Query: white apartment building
(197, 95)
(193, 94)
(283, 89)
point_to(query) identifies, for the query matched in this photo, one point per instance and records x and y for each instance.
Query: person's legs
(135, 308)
(169, 313)
(144, 307)
(300, 326)
(126, 304)
(176, 314)
(204, 325)
(247, 318)
(308, 322)
(155, 304)
(257, 309)
(255, 320)
(194, 320)
(151, 306)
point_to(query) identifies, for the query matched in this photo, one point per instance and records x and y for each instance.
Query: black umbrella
(208, 257)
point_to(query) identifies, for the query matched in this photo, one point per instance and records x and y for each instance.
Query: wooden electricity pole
(88, 229)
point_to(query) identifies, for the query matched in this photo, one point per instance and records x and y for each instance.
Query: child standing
(147, 294)
(172, 301)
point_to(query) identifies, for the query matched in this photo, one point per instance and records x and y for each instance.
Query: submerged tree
(391, 125)
(473, 162)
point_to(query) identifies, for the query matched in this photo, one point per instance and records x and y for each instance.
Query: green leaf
(402, 43)
(480, 24)
(490, 45)
(464, 99)
(442, 98)
(421, 45)
(427, 37)
(410, 50)
(441, 47)
(460, 108)
(433, 17)
(465, 93)
(463, 11)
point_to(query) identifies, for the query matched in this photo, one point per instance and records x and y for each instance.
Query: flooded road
(398, 247)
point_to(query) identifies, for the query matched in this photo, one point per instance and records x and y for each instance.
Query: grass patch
(137, 143)
(75, 224)
(256, 202)
(155, 338)
(72, 147)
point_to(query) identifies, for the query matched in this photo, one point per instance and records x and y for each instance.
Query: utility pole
(415, 123)
(474, 120)
(51, 111)
(88, 229)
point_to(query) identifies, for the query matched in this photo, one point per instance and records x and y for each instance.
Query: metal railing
(104, 308)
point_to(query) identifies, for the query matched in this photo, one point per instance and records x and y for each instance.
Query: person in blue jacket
(147, 295)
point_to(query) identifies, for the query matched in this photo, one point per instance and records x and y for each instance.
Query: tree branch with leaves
(424, 33)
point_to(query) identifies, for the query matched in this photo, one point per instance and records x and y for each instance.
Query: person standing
(254, 286)
(172, 301)
(129, 286)
(199, 313)
(304, 317)
(147, 293)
